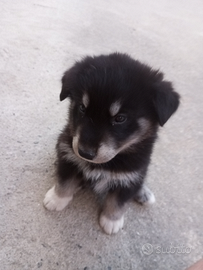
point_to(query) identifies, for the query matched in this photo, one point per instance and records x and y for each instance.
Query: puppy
(116, 107)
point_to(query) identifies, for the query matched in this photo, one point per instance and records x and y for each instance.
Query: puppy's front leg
(112, 216)
(59, 196)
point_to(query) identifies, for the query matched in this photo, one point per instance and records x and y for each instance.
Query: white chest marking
(103, 179)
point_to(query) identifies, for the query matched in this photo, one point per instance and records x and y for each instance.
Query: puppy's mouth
(102, 154)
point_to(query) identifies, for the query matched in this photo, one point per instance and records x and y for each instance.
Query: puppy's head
(116, 102)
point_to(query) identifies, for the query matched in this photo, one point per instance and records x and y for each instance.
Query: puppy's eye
(119, 119)
(82, 108)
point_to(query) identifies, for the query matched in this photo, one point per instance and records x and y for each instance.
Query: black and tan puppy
(116, 107)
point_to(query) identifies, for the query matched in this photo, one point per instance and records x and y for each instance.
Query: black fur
(143, 94)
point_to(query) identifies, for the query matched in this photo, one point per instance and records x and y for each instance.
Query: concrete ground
(39, 39)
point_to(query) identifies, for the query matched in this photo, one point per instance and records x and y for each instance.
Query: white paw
(53, 202)
(151, 199)
(111, 226)
(145, 196)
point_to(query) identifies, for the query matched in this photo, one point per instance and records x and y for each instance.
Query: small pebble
(39, 264)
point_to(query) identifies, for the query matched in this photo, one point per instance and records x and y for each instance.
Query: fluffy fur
(117, 105)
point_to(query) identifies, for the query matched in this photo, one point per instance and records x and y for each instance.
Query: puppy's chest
(102, 179)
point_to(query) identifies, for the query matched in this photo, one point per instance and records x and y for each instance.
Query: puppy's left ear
(166, 101)
(66, 85)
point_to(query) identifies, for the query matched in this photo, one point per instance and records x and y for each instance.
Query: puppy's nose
(87, 154)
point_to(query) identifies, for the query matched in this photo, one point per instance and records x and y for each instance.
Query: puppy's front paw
(111, 226)
(53, 202)
(145, 196)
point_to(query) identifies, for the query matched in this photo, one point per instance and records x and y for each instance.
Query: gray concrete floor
(41, 38)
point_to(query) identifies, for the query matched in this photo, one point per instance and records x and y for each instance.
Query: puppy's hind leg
(144, 196)
(59, 196)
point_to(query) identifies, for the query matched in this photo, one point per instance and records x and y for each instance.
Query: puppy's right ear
(66, 85)
(166, 101)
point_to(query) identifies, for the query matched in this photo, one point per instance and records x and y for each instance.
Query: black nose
(87, 154)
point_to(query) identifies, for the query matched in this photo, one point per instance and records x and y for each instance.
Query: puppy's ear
(66, 85)
(166, 101)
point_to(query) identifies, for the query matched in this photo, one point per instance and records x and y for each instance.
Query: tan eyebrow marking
(85, 100)
(114, 108)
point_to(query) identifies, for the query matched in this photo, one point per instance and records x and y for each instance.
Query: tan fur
(69, 189)
(111, 208)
